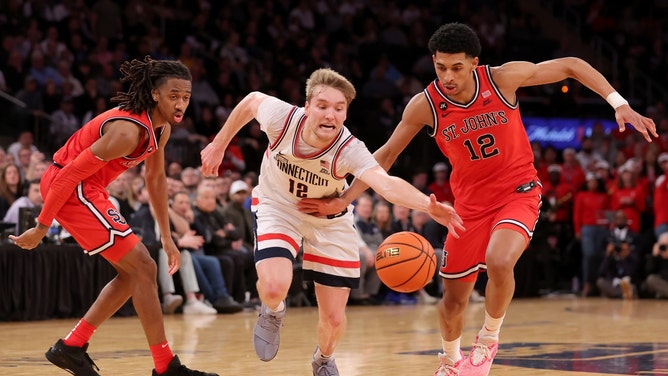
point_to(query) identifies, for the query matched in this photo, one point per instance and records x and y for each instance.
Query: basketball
(405, 261)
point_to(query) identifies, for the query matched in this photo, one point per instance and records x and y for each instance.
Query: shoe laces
(323, 370)
(270, 321)
(480, 353)
(446, 368)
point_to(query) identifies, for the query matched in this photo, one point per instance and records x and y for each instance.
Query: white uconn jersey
(290, 172)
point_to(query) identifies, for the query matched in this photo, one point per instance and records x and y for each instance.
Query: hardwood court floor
(566, 336)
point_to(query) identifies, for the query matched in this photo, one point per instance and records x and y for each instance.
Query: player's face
(455, 72)
(326, 112)
(172, 98)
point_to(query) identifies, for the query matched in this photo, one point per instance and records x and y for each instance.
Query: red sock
(162, 355)
(80, 335)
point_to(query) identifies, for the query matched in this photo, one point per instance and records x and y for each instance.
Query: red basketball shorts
(93, 220)
(464, 257)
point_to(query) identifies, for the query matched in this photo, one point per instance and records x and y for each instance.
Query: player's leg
(277, 246)
(460, 263)
(274, 279)
(95, 229)
(505, 248)
(451, 310)
(512, 229)
(331, 326)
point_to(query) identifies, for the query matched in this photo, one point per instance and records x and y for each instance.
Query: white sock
(319, 354)
(451, 349)
(280, 308)
(491, 328)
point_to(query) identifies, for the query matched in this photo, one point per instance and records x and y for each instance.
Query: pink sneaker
(447, 366)
(480, 359)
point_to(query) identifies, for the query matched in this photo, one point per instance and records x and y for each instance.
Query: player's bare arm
(156, 184)
(401, 192)
(515, 74)
(119, 138)
(242, 114)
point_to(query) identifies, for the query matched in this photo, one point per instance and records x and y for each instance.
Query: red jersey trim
(286, 124)
(331, 262)
(113, 233)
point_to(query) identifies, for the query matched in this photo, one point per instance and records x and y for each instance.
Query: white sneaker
(195, 307)
(170, 303)
(425, 298)
(476, 297)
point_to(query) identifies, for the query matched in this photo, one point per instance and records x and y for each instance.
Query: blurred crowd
(59, 66)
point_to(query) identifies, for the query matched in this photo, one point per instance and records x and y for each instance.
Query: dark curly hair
(143, 77)
(453, 38)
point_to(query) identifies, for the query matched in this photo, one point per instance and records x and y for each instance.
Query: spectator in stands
(242, 219)
(143, 223)
(64, 123)
(36, 166)
(440, 186)
(23, 161)
(657, 268)
(11, 186)
(591, 227)
(371, 235)
(402, 219)
(223, 241)
(33, 97)
(15, 72)
(661, 197)
(32, 199)
(174, 169)
(207, 268)
(24, 140)
(572, 173)
(628, 196)
(435, 234)
(119, 193)
(42, 72)
(382, 217)
(236, 214)
(191, 177)
(222, 186)
(588, 156)
(617, 273)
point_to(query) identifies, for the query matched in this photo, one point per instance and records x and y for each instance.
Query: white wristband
(616, 100)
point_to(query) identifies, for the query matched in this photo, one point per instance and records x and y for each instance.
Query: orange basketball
(405, 261)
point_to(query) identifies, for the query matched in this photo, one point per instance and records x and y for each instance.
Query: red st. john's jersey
(484, 140)
(92, 131)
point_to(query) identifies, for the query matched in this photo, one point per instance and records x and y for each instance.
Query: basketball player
(74, 191)
(310, 153)
(473, 114)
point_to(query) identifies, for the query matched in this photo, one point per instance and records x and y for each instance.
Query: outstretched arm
(516, 74)
(242, 114)
(401, 192)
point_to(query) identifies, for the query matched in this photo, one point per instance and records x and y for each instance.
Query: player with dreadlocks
(74, 194)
